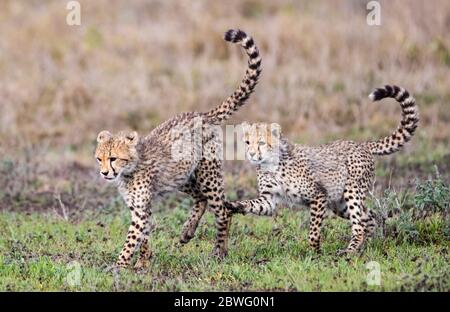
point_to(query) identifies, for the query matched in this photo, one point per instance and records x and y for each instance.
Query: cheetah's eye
(247, 142)
(112, 158)
(99, 159)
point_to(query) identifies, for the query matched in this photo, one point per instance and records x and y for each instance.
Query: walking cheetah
(337, 175)
(146, 168)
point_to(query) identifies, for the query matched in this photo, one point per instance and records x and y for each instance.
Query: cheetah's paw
(219, 253)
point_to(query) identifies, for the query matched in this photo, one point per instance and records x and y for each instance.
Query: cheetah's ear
(132, 138)
(275, 129)
(103, 136)
(245, 127)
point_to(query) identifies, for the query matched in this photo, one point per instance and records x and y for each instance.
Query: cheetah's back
(333, 164)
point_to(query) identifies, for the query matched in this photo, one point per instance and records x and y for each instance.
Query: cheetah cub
(335, 175)
(145, 169)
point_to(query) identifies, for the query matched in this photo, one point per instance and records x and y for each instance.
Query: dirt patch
(66, 190)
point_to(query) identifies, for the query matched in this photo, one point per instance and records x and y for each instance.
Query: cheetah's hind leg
(196, 213)
(354, 207)
(208, 191)
(210, 183)
(191, 224)
(317, 207)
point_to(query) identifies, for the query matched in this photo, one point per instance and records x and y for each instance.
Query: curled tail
(248, 83)
(408, 123)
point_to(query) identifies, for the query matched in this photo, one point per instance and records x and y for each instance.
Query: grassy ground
(45, 252)
(130, 66)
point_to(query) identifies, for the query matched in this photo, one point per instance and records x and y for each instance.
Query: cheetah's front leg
(265, 205)
(145, 251)
(139, 226)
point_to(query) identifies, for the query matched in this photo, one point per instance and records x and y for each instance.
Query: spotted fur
(337, 175)
(146, 169)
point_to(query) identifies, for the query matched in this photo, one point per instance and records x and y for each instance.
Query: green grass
(41, 252)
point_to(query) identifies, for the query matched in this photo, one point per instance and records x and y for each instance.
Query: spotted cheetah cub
(145, 169)
(336, 175)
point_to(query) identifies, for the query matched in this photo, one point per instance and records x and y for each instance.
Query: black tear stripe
(114, 171)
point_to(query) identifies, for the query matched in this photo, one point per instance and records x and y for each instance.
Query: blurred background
(133, 64)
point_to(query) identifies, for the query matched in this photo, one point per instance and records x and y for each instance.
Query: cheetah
(147, 168)
(336, 175)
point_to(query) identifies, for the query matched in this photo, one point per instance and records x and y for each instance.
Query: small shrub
(432, 196)
(420, 217)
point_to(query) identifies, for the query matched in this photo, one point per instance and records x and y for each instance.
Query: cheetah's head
(262, 142)
(116, 154)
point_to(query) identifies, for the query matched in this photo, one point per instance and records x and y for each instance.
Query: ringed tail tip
(234, 35)
(378, 94)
